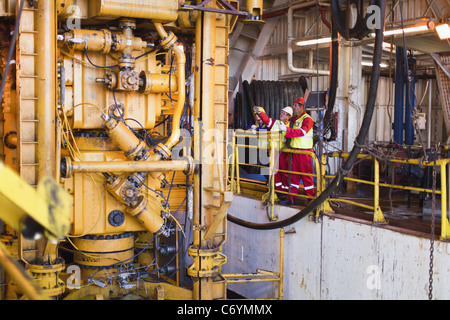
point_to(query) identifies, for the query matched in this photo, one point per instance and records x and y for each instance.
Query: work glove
(254, 129)
(282, 127)
(258, 110)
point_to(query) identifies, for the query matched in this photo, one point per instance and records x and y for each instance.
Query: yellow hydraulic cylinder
(93, 40)
(254, 7)
(255, 10)
(151, 220)
(157, 83)
(125, 138)
(162, 11)
(102, 40)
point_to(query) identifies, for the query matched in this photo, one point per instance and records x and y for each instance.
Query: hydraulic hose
(348, 164)
(333, 78)
(12, 48)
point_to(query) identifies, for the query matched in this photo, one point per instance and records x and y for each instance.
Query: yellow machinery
(125, 103)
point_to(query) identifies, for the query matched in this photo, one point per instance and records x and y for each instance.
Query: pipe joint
(169, 41)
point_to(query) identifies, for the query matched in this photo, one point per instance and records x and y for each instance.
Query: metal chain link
(433, 153)
(433, 207)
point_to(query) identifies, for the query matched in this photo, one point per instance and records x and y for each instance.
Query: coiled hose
(271, 95)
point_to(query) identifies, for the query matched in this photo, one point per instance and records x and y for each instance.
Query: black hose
(12, 47)
(333, 80)
(348, 164)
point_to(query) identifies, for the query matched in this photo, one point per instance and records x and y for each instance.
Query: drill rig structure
(125, 103)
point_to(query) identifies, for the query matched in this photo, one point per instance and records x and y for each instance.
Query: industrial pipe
(290, 38)
(69, 167)
(46, 88)
(169, 42)
(348, 164)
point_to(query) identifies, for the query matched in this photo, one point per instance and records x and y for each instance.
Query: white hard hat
(288, 110)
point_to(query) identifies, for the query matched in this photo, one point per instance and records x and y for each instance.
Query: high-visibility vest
(278, 138)
(262, 139)
(306, 141)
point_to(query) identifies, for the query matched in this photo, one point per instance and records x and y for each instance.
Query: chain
(433, 202)
(433, 207)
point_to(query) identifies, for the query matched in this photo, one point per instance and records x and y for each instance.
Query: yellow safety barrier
(321, 177)
(378, 215)
(272, 168)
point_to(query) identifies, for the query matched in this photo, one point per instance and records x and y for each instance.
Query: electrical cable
(348, 164)
(149, 51)
(100, 67)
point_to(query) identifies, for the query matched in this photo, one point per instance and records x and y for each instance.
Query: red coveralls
(301, 162)
(281, 178)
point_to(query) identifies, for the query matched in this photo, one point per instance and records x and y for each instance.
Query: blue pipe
(399, 94)
(410, 102)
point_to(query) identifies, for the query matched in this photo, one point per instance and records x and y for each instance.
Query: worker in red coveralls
(281, 178)
(300, 133)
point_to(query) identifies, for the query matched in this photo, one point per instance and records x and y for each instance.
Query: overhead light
(313, 41)
(405, 30)
(443, 31)
(370, 64)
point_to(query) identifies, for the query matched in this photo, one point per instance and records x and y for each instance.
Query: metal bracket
(206, 262)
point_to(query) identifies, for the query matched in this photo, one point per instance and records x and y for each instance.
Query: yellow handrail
(378, 215)
(239, 133)
(321, 177)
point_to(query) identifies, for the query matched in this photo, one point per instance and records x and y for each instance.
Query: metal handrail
(321, 178)
(235, 184)
(378, 215)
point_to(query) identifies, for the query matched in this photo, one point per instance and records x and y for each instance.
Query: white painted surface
(334, 259)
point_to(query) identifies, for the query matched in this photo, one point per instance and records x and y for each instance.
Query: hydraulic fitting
(125, 79)
(10, 140)
(104, 41)
(93, 40)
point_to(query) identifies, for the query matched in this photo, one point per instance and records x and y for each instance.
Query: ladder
(214, 197)
(26, 60)
(26, 118)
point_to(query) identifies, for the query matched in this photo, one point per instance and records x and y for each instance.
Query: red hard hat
(300, 101)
